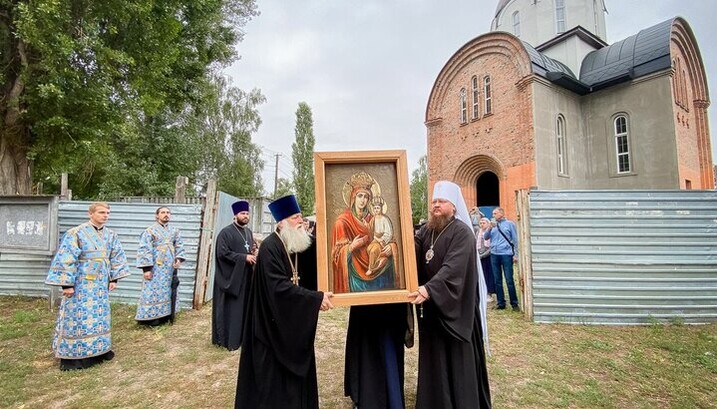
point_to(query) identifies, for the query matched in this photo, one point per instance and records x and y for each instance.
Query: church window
(561, 145)
(516, 24)
(487, 94)
(685, 96)
(464, 106)
(622, 144)
(560, 15)
(476, 97)
(675, 81)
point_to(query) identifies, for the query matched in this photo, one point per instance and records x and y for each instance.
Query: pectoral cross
(295, 278)
(246, 246)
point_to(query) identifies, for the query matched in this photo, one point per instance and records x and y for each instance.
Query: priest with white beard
(278, 364)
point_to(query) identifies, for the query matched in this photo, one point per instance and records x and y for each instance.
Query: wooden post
(64, 191)
(180, 189)
(525, 256)
(205, 244)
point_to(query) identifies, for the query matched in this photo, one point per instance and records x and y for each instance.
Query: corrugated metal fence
(622, 257)
(261, 225)
(24, 274)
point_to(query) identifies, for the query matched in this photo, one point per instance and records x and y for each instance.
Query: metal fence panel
(128, 220)
(24, 274)
(624, 257)
(260, 221)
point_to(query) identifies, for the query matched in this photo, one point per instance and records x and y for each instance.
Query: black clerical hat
(284, 207)
(240, 206)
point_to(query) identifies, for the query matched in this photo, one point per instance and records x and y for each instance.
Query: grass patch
(532, 366)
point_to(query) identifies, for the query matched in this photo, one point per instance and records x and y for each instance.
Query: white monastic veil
(450, 191)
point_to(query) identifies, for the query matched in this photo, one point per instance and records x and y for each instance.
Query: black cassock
(373, 376)
(232, 279)
(451, 361)
(277, 368)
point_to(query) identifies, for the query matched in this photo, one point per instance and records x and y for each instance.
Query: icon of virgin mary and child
(364, 251)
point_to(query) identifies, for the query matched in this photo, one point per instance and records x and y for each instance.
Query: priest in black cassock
(451, 360)
(277, 368)
(235, 259)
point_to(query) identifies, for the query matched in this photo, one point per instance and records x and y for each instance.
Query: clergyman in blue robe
(87, 265)
(159, 255)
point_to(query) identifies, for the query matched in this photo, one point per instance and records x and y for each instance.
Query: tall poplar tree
(302, 152)
(419, 191)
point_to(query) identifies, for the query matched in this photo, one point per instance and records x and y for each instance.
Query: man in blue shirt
(503, 251)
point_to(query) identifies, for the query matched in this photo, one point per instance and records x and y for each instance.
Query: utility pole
(276, 174)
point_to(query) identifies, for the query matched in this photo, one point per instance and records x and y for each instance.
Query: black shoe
(500, 307)
(516, 308)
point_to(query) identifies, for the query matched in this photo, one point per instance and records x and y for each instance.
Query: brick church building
(543, 101)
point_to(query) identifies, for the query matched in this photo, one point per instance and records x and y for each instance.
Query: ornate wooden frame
(341, 162)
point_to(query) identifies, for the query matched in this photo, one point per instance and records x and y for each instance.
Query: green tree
(302, 153)
(83, 80)
(283, 188)
(227, 152)
(419, 191)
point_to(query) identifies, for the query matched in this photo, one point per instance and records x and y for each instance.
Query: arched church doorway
(487, 190)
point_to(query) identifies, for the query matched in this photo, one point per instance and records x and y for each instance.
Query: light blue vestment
(87, 259)
(158, 247)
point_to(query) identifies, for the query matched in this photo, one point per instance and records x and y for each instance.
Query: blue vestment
(158, 247)
(87, 259)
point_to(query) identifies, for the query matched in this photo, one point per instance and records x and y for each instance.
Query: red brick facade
(690, 102)
(501, 142)
(462, 147)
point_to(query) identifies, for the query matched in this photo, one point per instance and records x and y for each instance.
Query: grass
(533, 366)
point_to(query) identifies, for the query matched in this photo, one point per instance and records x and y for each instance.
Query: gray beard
(295, 240)
(438, 223)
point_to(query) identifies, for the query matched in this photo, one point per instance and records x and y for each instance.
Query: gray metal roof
(542, 64)
(643, 53)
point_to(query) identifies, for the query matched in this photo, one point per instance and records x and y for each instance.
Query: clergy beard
(295, 239)
(438, 223)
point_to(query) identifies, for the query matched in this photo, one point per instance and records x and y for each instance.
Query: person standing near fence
(235, 259)
(483, 247)
(159, 255)
(503, 242)
(87, 265)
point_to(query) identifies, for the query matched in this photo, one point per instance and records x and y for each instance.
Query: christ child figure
(382, 231)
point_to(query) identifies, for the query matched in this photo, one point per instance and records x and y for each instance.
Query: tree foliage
(90, 85)
(419, 191)
(302, 153)
(283, 187)
(227, 152)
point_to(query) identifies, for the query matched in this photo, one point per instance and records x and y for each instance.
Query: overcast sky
(366, 67)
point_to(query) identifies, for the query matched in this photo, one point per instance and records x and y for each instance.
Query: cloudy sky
(366, 67)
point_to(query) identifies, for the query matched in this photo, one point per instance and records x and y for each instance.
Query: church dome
(501, 6)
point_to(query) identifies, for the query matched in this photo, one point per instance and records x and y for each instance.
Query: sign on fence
(28, 224)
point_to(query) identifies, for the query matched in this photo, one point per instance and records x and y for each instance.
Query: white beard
(296, 240)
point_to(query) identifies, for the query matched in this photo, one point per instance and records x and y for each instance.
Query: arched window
(464, 106)
(685, 94)
(561, 140)
(516, 24)
(675, 77)
(622, 144)
(487, 95)
(560, 16)
(476, 96)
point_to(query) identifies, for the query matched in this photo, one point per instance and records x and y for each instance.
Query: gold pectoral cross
(295, 278)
